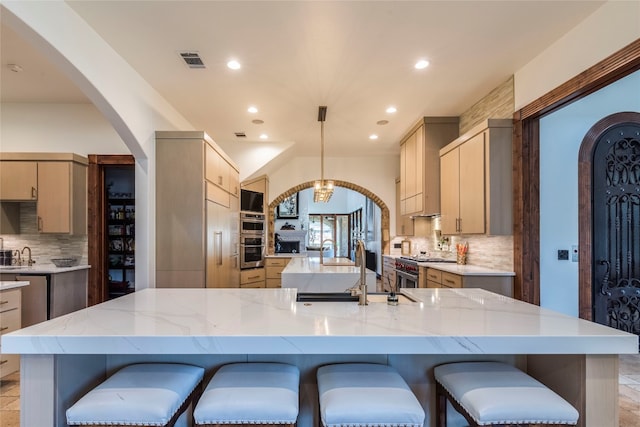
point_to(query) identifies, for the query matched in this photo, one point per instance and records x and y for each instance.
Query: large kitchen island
(64, 357)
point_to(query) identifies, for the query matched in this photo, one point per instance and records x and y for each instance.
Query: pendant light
(322, 188)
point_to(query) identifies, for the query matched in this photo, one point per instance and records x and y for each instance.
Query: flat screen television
(251, 201)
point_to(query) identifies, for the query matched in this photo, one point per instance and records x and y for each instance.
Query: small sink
(325, 297)
(340, 261)
(347, 297)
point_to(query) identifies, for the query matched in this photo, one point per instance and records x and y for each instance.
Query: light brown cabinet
(197, 220)
(420, 166)
(274, 267)
(252, 278)
(476, 182)
(404, 223)
(10, 314)
(434, 278)
(18, 180)
(57, 181)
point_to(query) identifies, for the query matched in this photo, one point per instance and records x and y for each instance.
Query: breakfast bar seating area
(65, 358)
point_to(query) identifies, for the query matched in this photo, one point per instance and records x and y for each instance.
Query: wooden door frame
(98, 290)
(526, 169)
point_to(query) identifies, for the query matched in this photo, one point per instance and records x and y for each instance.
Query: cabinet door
(449, 192)
(419, 167)
(410, 169)
(216, 168)
(404, 224)
(402, 188)
(234, 182)
(215, 244)
(472, 198)
(54, 197)
(18, 180)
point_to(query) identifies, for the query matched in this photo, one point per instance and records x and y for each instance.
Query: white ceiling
(354, 57)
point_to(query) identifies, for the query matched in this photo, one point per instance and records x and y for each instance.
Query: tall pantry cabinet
(197, 213)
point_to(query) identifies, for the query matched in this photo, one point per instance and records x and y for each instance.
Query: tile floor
(629, 395)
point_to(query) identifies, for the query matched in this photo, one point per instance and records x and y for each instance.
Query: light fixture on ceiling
(323, 188)
(252, 109)
(234, 64)
(421, 64)
(373, 137)
(264, 136)
(391, 109)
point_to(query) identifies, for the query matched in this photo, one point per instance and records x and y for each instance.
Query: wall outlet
(563, 255)
(574, 253)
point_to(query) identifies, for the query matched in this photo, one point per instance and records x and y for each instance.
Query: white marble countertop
(8, 284)
(40, 269)
(270, 321)
(306, 265)
(466, 270)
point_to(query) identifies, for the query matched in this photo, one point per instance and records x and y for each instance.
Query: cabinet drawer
(9, 300)
(451, 280)
(249, 276)
(274, 283)
(432, 284)
(274, 272)
(434, 275)
(276, 262)
(9, 321)
(259, 284)
(9, 363)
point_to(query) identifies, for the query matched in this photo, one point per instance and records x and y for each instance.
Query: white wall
(610, 28)
(61, 128)
(561, 134)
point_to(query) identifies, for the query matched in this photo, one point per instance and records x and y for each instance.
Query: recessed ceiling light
(421, 64)
(264, 136)
(373, 136)
(252, 109)
(391, 109)
(234, 65)
(382, 122)
(257, 121)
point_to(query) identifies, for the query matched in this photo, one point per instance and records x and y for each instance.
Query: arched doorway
(384, 210)
(609, 217)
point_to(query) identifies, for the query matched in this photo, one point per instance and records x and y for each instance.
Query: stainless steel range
(408, 271)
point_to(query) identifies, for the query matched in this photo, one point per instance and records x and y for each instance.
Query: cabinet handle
(34, 193)
(2, 362)
(218, 243)
(450, 281)
(39, 223)
(3, 302)
(253, 277)
(219, 179)
(4, 328)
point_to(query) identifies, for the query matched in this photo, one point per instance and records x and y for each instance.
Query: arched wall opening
(384, 211)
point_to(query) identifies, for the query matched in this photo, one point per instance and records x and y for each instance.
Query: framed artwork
(289, 207)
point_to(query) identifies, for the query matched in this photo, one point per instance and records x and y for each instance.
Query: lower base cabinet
(274, 267)
(252, 278)
(10, 320)
(435, 278)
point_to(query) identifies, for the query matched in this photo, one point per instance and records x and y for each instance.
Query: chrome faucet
(29, 261)
(16, 253)
(360, 262)
(322, 249)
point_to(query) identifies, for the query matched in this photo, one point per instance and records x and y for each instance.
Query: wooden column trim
(526, 162)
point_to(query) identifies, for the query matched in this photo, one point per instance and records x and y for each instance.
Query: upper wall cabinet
(420, 164)
(56, 181)
(476, 181)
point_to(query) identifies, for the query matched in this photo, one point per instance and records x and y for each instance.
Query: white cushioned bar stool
(250, 393)
(146, 394)
(498, 394)
(366, 394)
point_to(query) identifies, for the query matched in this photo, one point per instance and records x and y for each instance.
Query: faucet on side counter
(17, 259)
(322, 249)
(30, 261)
(360, 262)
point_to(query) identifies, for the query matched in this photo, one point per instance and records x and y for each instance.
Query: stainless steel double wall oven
(252, 240)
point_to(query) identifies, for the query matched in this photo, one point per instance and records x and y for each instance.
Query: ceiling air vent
(192, 59)
(240, 134)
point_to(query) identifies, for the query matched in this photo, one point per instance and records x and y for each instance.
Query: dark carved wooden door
(616, 227)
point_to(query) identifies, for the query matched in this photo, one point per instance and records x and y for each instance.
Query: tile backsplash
(44, 246)
(487, 251)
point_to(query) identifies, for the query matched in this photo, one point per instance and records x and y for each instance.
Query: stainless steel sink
(347, 297)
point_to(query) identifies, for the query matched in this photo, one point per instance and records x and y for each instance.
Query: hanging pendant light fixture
(323, 188)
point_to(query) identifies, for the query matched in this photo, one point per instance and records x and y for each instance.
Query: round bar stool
(366, 394)
(250, 393)
(498, 394)
(147, 394)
